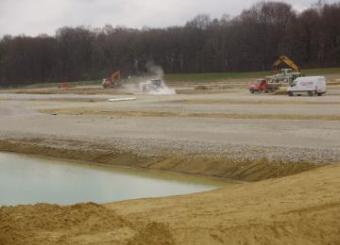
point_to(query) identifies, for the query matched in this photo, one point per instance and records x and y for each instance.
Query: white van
(315, 85)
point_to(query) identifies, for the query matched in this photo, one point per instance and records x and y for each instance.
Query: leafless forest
(248, 42)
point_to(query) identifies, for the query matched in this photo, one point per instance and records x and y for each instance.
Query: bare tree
(248, 42)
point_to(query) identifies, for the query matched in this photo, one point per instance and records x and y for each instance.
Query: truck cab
(261, 85)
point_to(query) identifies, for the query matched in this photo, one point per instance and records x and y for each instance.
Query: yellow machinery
(285, 75)
(285, 60)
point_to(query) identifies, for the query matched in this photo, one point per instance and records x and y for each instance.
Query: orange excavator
(112, 81)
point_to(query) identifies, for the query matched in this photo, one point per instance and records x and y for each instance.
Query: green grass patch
(214, 76)
(51, 84)
(195, 77)
(47, 85)
(201, 77)
(321, 71)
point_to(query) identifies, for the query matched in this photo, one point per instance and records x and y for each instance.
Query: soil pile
(78, 224)
(299, 209)
(153, 233)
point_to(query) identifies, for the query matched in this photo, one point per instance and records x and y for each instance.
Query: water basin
(29, 180)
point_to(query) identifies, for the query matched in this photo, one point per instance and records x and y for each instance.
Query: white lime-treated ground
(231, 123)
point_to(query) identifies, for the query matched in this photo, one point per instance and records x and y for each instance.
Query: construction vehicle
(151, 85)
(284, 75)
(114, 81)
(313, 85)
(285, 60)
(263, 86)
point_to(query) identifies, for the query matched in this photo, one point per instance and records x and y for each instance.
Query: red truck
(262, 86)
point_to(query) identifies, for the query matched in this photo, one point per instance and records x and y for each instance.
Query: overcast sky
(32, 17)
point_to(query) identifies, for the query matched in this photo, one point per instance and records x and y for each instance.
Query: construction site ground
(285, 150)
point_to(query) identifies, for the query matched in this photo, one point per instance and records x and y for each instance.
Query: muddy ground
(289, 145)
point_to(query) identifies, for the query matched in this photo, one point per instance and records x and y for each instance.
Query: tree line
(248, 42)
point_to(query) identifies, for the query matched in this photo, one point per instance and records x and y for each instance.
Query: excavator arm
(115, 76)
(112, 81)
(285, 60)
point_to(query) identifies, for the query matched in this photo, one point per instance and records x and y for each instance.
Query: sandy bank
(198, 164)
(299, 209)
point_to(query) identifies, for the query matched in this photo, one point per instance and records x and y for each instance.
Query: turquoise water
(28, 180)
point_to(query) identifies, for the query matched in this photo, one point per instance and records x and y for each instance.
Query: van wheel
(319, 94)
(310, 93)
(290, 94)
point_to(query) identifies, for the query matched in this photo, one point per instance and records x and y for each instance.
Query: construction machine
(262, 86)
(151, 85)
(285, 60)
(285, 75)
(113, 81)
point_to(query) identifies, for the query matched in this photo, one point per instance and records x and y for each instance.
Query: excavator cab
(113, 81)
(285, 75)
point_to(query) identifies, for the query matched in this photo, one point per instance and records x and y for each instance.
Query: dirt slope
(298, 209)
(78, 224)
(197, 164)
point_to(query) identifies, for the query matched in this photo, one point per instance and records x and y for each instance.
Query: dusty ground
(222, 131)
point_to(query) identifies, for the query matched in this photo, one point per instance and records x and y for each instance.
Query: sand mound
(298, 209)
(78, 224)
(153, 234)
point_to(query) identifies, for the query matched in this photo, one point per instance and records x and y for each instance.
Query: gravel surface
(314, 141)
